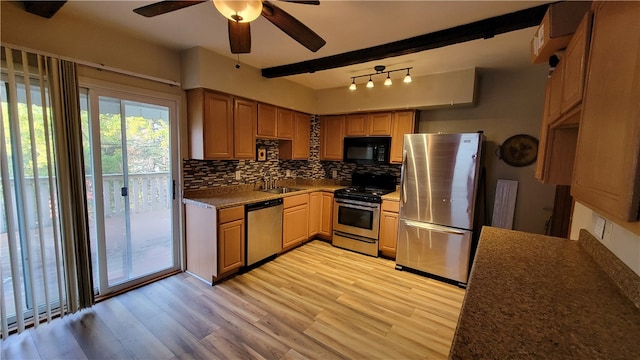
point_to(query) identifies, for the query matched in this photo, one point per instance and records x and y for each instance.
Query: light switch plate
(288, 173)
(238, 175)
(334, 174)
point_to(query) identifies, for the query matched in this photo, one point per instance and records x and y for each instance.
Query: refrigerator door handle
(404, 164)
(432, 227)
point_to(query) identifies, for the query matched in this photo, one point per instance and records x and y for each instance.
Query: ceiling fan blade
(305, 2)
(292, 26)
(164, 7)
(239, 37)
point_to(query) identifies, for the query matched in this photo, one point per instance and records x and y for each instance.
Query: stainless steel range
(356, 212)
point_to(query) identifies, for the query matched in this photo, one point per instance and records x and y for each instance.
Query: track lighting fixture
(387, 81)
(370, 82)
(407, 78)
(380, 69)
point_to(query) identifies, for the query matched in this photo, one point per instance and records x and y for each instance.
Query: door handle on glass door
(124, 191)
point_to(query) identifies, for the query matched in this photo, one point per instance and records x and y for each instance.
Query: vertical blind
(44, 258)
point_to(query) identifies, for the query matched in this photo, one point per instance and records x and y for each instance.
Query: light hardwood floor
(316, 302)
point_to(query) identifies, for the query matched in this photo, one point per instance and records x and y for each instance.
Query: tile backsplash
(203, 174)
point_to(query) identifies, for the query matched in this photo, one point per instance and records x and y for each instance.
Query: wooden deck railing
(147, 192)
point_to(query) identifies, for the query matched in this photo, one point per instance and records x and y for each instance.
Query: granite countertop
(236, 196)
(394, 196)
(535, 296)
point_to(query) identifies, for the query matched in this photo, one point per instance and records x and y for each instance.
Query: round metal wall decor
(519, 150)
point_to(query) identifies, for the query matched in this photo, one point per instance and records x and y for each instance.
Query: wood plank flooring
(314, 302)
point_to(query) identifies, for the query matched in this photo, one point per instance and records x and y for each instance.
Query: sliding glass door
(130, 187)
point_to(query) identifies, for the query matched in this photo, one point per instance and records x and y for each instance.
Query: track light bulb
(353, 86)
(240, 11)
(407, 78)
(388, 81)
(370, 82)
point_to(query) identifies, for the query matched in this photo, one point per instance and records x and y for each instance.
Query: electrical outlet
(288, 173)
(238, 175)
(334, 174)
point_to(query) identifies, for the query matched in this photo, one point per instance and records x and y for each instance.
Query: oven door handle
(359, 206)
(355, 237)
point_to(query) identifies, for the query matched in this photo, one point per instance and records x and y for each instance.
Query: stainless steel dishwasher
(263, 231)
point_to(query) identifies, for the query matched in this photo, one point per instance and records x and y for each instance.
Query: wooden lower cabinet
(295, 221)
(388, 228)
(315, 213)
(214, 241)
(230, 245)
(321, 215)
(326, 221)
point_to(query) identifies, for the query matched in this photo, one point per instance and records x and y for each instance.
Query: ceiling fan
(240, 14)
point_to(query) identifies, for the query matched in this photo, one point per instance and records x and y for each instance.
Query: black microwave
(367, 150)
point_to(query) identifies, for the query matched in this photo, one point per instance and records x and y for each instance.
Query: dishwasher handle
(263, 204)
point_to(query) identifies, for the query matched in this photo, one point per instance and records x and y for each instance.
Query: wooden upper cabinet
(266, 121)
(285, 127)
(371, 124)
(555, 92)
(606, 173)
(244, 125)
(356, 124)
(302, 136)
(332, 137)
(221, 127)
(403, 122)
(210, 119)
(575, 60)
(299, 147)
(380, 124)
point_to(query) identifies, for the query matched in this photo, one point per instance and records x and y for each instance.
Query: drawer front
(230, 214)
(389, 205)
(295, 200)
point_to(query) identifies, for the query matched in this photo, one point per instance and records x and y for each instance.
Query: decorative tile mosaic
(204, 174)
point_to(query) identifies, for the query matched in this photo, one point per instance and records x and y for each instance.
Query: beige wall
(623, 243)
(68, 36)
(509, 102)
(450, 89)
(203, 68)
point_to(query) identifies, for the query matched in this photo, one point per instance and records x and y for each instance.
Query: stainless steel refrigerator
(439, 183)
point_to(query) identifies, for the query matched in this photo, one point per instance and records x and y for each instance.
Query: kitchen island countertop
(535, 296)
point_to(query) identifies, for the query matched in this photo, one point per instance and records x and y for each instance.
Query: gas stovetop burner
(368, 188)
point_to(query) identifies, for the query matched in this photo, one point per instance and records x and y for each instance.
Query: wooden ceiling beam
(483, 29)
(45, 9)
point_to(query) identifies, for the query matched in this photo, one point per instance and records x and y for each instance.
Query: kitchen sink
(281, 190)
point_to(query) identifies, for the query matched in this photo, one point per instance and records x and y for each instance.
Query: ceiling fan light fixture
(240, 11)
(407, 78)
(387, 81)
(370, 83)
(353, 86)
